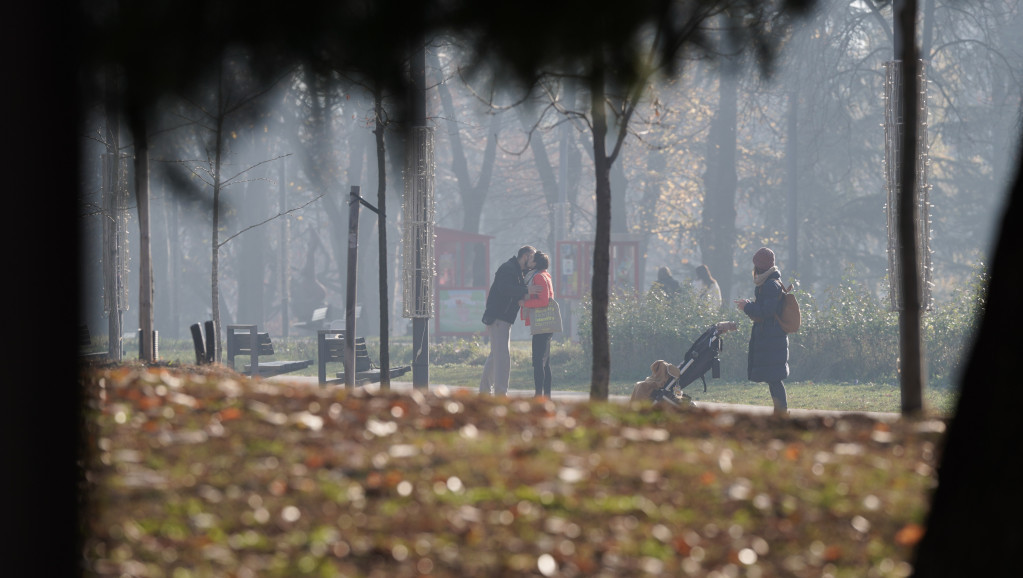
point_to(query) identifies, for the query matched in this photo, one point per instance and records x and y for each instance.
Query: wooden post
(353, 261)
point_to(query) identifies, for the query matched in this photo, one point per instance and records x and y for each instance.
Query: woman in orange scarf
(542, 282)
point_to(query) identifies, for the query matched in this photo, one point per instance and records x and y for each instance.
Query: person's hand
(534, 290)
(522, 302)
(740, 304)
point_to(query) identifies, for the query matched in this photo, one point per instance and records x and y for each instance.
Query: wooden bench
(330, 348)
(245, 341)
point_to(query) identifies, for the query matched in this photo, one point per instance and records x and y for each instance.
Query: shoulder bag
(546, 319)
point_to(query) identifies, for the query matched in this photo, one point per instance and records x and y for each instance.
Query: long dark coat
(768, 345)
(508, 287)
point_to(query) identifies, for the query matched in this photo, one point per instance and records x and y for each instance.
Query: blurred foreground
(208, 473)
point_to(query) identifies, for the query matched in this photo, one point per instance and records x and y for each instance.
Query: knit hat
(763, 259)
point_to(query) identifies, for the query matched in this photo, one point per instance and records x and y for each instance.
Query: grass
(202, 472)
(571, 374)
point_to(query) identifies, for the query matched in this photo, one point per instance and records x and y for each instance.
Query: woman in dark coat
(768, 343)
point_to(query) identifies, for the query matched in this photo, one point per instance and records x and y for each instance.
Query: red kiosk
(574, 268)
(463, 277)
(573, 273)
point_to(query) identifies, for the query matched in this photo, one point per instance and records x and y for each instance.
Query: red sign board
(573, 269)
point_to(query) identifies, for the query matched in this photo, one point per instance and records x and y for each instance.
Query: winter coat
(508, 288)
(543, 280)
(768, 344)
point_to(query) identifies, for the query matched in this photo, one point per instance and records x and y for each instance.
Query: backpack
(788, 311)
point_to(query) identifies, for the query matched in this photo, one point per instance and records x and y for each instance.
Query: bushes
(656, 326)
(949, 330)
(848, 335)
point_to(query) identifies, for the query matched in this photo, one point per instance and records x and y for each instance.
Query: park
(291, 220)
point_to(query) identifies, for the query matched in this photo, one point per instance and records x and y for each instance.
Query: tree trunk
(473, 195)
(601, 368)
(911, 347)
(792, 181)
(163, 272)
(717, 230)
(548, 180)
(382, 261)
(138, 126)
(251, 255)
(619, 208)
(973, 527)
(283, 246)
(110, 283)
(319, 173)
(656, 164)
(359, 150)
(215, 239)
(175, 261)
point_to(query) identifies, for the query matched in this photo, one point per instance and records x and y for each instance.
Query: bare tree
(473, 193)
(230, 98)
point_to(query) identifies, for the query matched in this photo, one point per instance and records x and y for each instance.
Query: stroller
(700, 358)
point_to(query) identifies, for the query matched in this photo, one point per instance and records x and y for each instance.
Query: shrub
(848, 335)
(646, 328)
(949, 329)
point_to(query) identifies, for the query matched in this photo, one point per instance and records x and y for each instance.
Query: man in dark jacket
(508, 288)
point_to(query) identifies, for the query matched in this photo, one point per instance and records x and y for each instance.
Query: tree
(473, 194)
(614, 57)
(717, 228)
(214, 118)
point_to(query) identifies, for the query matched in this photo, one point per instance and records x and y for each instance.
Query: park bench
(205, 346)
(330, 348)
(317, 321)
(246, 341)
(85, 344)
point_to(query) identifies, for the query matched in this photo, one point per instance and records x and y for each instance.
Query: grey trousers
(497, 369)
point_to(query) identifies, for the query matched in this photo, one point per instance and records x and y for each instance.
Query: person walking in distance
(508, 288)
(541, 341)
(768, 359)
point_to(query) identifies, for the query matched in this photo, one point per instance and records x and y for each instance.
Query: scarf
(758, 280)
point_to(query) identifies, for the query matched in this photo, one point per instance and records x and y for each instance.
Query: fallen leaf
(909, 535)
(314, 461)
(229, 414)
(792, 452)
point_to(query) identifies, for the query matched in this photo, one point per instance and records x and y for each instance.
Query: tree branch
(261, 223)
(231, 180)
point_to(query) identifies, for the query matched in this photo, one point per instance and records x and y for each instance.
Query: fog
(809, 138)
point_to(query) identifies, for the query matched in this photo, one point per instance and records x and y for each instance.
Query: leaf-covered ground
(206, 473)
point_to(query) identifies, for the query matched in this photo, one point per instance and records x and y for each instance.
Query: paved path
(574, 396)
